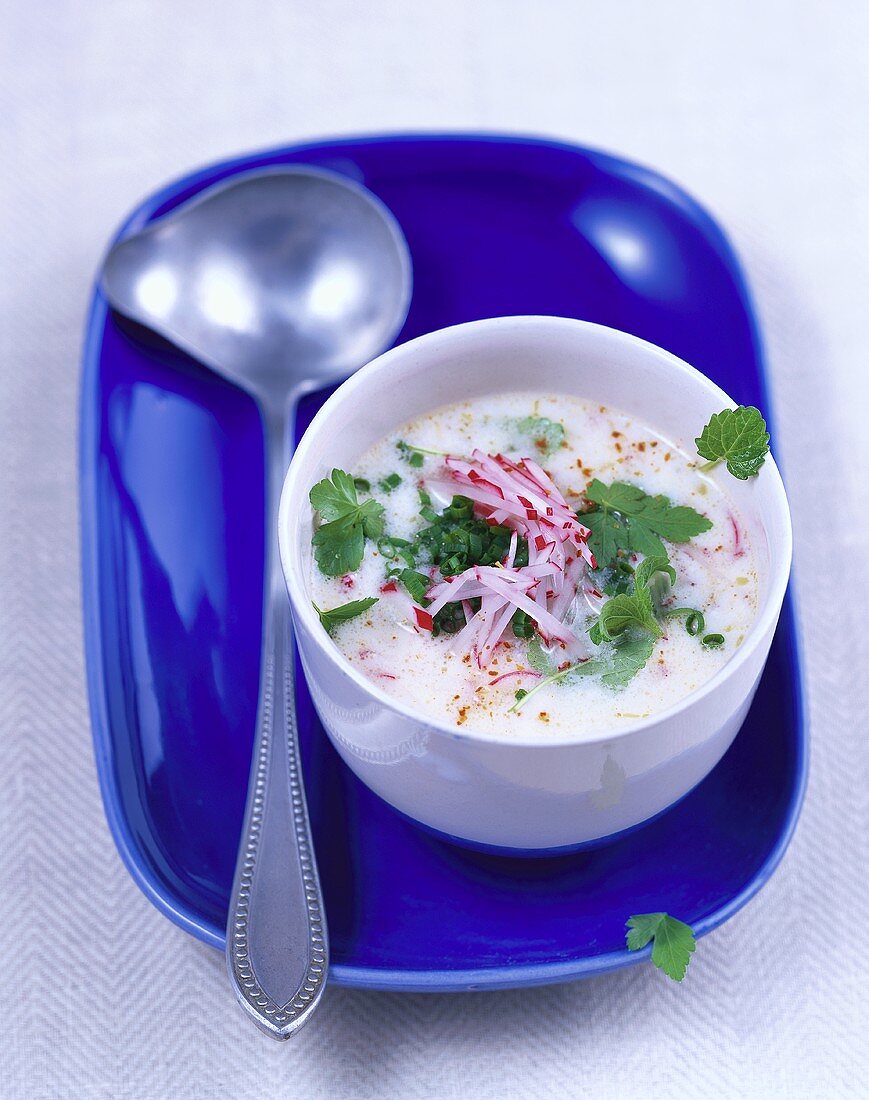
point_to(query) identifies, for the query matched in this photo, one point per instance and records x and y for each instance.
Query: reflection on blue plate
(172, 469)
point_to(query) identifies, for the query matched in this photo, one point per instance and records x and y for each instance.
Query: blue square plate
(172, 515)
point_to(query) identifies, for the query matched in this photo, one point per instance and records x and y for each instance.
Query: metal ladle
(282, 280)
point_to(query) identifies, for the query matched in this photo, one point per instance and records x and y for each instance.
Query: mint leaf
(673, 945)
(624, 612)
(540, 661)
(547, 435)
(647, 568)
(735, 436)
(632, 609)
(630, 654)
(330, 619)
(629, 620)
(339, 541)
(626, 520)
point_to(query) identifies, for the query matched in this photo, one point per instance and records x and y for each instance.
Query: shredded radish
(519, 495)
(516, 672)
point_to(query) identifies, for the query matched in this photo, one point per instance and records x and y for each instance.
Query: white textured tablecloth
(761, 110)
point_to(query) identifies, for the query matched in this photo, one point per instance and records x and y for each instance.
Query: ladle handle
(276, 942)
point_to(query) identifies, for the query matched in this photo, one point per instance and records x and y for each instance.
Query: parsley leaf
(625, 520)
(330, 619)
(339, 542)
(674, 941)
(547, 435)
(334, 497)
(735, 436)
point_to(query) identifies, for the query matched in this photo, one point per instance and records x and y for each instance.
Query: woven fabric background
(762, 111)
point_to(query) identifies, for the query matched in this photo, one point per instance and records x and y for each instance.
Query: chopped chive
(713, 641)
(362, 485)
(390, 482)
(523, 625)
(417, 584)
(520, 695)
(424, 498)
(416, 459)
(694, 622)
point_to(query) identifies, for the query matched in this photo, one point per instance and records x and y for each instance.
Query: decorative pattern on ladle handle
(277, 951)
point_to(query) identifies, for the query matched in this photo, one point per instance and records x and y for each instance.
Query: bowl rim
(295, 494)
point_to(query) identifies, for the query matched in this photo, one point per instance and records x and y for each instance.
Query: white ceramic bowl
(510, 793)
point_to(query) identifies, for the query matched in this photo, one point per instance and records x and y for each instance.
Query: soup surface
(580, 570)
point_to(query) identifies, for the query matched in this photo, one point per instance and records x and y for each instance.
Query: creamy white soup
(532, 566)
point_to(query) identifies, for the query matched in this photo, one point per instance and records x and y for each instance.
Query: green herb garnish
(673, 945)
(712, 641)
(538, 659)
(649, 567)
(583, 668)
(330, 619)
(735, 436)
(626, 612)
(616, 578)
(633, 610)
(547, 435)
(417, 584)
(409, 450)
(339, 542)
(625, 520)
(414, 456)
(523, 625)
(362, 485)
(694, 620)
(390, 482)
(520, 695)
(629, 655)
(455, 539)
